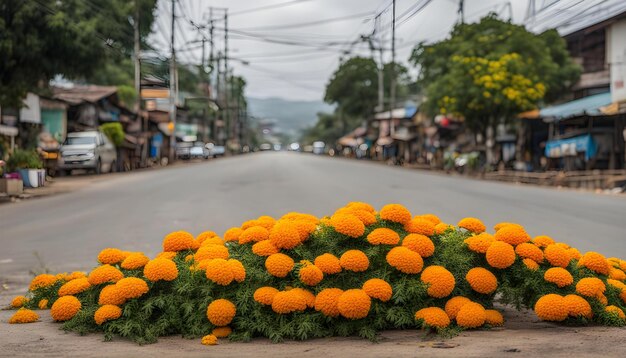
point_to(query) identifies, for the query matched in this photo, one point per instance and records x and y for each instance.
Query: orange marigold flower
(347, 224)
(396, 213)
(454, 305)
(248, 224)
(221, 312)
(160, 269)
(211, 252)
(603, 299)
(529, 251)
(615, 283)
(551, 307)
(266, 221)
(556, 255)
(405, 260)
(378, 288)
(366, 217)
(357, 205)
(383, 236)
(103, 274)
(471, 315)
(595, 262)
(24, 315)
(442, 227)
(309, 297)
(18, 301)
(530, 264)
(616, 311)
(617, 274)
(132, 287)
(512, 234)
(209, 340)
(135, 261)
(74, 287)
(222, 332)
(543, 241)
(265, 295)
(430, 217)
(288, 301)
(354, 304)
(232, 234)
(494, 318)
(279, 265)
(304, 228)
(472, 224)
(440, 281)
(482, 280)
(558, 276)
(236, 267)
(107, 313)
(111, 295)
(500, 255)
(578, 306)
(264, 248)
(178, 241)
(420, 226)
(43, 304)
(43, 280)
(421, 244)
(204, 236)
(500, 225)
(480, 243)
(65, 308)
(590, 287)
(354, 260)
(215, 240)
(111, 256)
(327, 301)
(311, 275)
(574, 254)
(433, 317)
(74, 275)
(254, 234)
(328, 263)
(218, 271)
(285, 235)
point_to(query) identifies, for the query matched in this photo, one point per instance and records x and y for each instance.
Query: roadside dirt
(523, 335)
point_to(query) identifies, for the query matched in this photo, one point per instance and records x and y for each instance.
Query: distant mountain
(291, 116)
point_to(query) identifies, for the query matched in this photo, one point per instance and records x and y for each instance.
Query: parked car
(319, 147)
(90, 150)
(199, 151)
(215, 150)
(265, 146)
(183, 150)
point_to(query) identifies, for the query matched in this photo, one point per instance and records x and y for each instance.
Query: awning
(571, 147)
(348, 142)
(585, 106)
(384, 141)
(398, 113)
(8, 131)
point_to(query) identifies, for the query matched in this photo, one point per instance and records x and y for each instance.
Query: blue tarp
(571, 146)
(584, 106)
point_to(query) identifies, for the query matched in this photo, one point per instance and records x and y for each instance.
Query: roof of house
(78, 94)
(591, 105)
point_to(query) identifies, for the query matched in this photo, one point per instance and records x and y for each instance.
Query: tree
(73, 38)
(353, 87)
(489, 71)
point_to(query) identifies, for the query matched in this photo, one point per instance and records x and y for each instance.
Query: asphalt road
(134, 211)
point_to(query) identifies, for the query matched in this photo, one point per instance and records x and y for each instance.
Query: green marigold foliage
(179, 306)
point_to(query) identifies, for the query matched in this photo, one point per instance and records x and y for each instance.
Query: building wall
(54, 122)
(616, 54)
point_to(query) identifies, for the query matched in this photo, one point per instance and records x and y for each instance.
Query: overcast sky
(301, 72)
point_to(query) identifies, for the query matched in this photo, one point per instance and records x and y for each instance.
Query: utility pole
(226, 103)
(173, 87)
(381, 67)
(461, 11)
(392, 94)
(211, 57)
(137, 59)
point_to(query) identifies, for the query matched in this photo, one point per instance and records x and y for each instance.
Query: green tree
(73, 38)
(353, 87)
(489, 71)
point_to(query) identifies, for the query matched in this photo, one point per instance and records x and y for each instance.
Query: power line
(363, 15)
(267, 7)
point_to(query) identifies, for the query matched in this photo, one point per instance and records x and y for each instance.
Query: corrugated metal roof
(575, 15)
(78, 94)
(585, 106)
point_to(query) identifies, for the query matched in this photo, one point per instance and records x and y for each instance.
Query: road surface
(134, 211)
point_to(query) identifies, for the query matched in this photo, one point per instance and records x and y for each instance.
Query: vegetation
(354, 273)
(114, 132)
(24, 159)
(488, 72)
(45, 38)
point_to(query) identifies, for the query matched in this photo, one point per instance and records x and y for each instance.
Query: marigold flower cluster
(383, 270)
